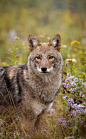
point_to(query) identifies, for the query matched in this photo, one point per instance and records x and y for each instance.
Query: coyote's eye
(51, 57)
(38, 58)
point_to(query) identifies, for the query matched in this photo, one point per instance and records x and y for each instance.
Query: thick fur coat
(33, 86)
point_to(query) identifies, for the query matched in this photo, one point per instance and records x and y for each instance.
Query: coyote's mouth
(44, 69)
(44, 72)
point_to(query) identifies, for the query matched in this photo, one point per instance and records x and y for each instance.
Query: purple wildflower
(73, 89)
(70, 102)
(80, 106)
(52, 112)
(74, 106)
(64, 97)
(85, 111)
(66, 80)
(1, 122)
(81, 122)
(76, 122)
(69, 121)
(67, 109)
(84, 84)
(73, 113)
(18, 117)
(68, 74)
(64, 84)
(71, 77)
(59, 120)
(81, 94)
(27, 135)
(62, 121)
(76, 79)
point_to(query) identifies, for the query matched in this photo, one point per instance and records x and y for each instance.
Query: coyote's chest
(45, 91)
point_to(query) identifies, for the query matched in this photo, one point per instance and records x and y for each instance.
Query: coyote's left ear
(33, 42)
(56, 42)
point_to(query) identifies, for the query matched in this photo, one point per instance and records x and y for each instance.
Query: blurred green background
(19, 18)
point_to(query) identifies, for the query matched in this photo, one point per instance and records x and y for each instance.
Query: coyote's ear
(33, 42)
(56, 42)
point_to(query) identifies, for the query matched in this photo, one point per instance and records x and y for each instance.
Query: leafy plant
(13, 51)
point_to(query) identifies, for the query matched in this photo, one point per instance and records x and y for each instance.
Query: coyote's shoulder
(35, 84)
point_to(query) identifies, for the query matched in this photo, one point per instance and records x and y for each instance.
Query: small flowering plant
(75, 41)
(75, 89)
(73, 84)
(13, 51)
(74, 104)
(52, 112)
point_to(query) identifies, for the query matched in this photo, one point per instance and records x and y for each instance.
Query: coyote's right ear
(33, 42)
(56, 42)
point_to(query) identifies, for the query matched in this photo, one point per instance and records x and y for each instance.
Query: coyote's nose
(44, 68)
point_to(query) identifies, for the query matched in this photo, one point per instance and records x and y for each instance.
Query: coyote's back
(34, 85)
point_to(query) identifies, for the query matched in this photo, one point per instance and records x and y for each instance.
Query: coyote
(33, 85)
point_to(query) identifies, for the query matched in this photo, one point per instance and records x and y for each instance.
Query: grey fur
(25, 86)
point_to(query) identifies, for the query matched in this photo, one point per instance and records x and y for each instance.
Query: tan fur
(44, 85)
(33, 86)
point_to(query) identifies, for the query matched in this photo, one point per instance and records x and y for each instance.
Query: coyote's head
(45, 58)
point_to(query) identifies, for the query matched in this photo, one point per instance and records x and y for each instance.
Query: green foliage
(13, 51)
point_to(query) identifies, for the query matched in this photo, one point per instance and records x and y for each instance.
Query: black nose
(44, 68)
